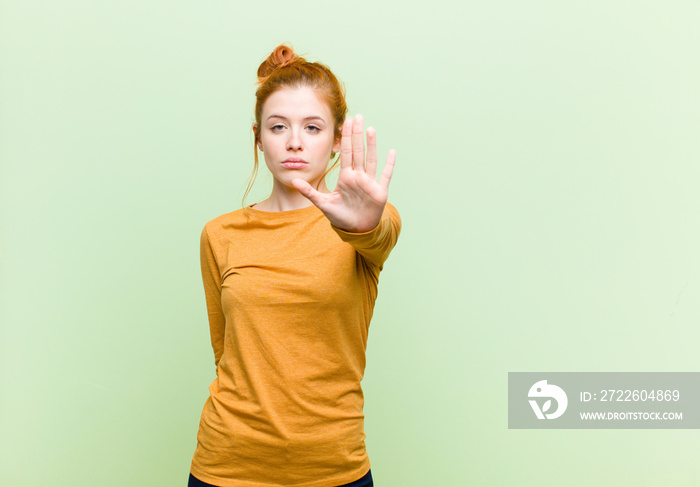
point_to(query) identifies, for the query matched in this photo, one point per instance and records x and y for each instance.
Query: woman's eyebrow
(310, 117)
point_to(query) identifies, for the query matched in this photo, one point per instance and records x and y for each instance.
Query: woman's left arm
(376, 245)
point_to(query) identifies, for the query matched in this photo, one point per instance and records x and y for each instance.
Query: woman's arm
(211, 278)
(374, 246)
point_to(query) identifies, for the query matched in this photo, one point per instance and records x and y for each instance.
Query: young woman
(290, 286)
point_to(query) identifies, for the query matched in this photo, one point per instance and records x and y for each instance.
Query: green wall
(547, 177)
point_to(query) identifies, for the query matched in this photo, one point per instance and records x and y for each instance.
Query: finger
(307, 190)
(346, 145)
(358, 143)
(372, 153)
(388, 170)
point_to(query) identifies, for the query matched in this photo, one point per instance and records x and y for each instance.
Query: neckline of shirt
(269, 215)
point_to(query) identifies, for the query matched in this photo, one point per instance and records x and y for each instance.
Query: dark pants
(365, 481)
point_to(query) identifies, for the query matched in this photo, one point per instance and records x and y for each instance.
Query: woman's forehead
(296, 103)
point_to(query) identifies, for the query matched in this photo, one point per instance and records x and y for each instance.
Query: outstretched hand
(357, 203)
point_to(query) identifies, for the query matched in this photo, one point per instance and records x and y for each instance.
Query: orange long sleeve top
(289, 299)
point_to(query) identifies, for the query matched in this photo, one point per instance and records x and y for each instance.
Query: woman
(290, 286)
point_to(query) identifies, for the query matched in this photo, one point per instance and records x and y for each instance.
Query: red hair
(284, 69)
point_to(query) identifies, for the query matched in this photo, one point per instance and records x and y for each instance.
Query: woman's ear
(257, 140)
(336, 145)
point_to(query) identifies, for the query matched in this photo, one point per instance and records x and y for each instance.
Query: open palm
(357, 203)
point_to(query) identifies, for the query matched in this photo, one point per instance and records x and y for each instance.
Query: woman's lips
(294, 163)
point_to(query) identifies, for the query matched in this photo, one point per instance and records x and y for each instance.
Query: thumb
(306, 189)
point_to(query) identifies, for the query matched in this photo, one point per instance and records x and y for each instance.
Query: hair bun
(282, 56)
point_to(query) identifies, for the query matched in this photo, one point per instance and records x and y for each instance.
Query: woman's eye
(314, 128)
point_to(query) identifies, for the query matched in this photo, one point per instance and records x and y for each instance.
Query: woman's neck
(285, 198)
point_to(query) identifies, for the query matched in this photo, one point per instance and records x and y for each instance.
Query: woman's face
(297, 136)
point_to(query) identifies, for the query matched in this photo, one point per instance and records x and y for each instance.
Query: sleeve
(212, 292)
(376, 245)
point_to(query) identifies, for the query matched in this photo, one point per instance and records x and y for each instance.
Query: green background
(547, 177)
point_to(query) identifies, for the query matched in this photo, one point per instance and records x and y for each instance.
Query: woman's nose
(294, 141)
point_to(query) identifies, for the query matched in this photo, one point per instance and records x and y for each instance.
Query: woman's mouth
(294, 163)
